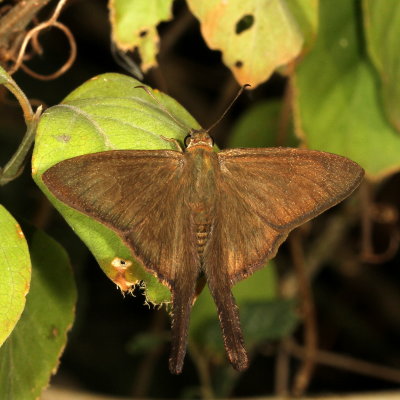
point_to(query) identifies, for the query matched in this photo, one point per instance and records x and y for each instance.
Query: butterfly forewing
(270, 192)
(118, 189)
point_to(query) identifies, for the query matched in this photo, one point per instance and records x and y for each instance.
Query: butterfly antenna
(146, 89)
(228, 108)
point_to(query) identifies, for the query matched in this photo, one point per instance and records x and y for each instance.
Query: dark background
(357, 305)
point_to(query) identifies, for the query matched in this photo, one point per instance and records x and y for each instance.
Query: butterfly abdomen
(202, 234)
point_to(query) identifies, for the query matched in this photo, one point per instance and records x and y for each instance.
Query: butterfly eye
(186, 141)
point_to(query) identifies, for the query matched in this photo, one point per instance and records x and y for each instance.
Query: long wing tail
(182, 298)
(228, 313)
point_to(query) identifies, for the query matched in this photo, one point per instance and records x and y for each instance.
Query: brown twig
(142, 380)
(17, 19)
(175, 31)
(203, 370)
(347, 363)
(32, 34)
(322, 249)
(285, 116)
(369, 213)
(303, 376)
(282, 370)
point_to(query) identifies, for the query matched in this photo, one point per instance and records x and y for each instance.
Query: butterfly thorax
(202, 164)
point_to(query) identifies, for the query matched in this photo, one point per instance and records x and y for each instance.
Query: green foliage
(259, 127)
(262, 321)
(31, 353)
(15, 273)
(107, 113)
(337, 102)
(134, 26)
(382, 34)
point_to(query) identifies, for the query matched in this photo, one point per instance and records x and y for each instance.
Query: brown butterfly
(194, 211)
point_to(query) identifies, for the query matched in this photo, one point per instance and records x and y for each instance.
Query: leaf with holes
(15, 273)
(107, 113)
(255, 36)
(134, 25)
(383, 42)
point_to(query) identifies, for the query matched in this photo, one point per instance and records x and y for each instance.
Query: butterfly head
(198, 138)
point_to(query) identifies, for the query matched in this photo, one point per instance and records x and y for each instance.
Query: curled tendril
(33, 35)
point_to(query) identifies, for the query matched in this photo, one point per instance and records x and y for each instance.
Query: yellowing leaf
(134, 26)
(15, 273)
(255, 36)
(31, 354)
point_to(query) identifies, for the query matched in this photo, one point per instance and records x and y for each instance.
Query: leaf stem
(15, 166)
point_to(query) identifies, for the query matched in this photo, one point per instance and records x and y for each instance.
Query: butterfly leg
(175, 142)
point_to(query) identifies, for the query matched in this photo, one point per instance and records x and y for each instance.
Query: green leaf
(259, 127)
(305, 13)
(134, 26)
(15, 273)
(382, 28)
(107, 113)
(255, 36)
(261, 321)
(337, 105)
(30, 355)
(261, 286)
(145, 342)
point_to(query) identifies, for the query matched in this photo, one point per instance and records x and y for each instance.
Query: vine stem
(14, 167)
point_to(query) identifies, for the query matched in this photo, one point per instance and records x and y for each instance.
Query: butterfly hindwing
(272, 191)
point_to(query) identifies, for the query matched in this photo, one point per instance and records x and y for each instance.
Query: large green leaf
(382, 28)
(337, 105)
(255, 36)
(30, 355)
(134, 25)
(15, 273)
(258, 126)
(107, 113)
(305, 13)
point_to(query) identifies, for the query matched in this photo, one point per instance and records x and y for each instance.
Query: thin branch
(146, 369)
(66, 66)
(18, 18)
(203, 371)
(51, 22)
(303, 376)
(347, 363)
(321, 250)
(371, 212)
(285, 115)
(282, 370)
(14, 167)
